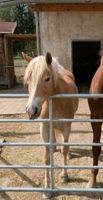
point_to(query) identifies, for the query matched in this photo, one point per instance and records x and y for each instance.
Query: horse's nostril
(30, 117)
(33, 115)
(32, 112)
(35, 110)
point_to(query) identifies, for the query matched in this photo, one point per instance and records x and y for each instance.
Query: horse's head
(39, 78)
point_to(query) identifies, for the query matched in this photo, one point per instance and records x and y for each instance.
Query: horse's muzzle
(34, 114)
(32, 117)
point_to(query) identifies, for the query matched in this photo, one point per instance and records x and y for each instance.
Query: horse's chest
(60, 109)
(63, 109)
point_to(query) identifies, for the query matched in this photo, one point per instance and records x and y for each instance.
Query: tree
(24, 18)
(25, 24)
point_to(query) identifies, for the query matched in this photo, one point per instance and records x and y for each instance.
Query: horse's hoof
(64, 178)
(47, 195)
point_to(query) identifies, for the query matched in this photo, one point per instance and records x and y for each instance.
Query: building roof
(7, 27)
(4, 3)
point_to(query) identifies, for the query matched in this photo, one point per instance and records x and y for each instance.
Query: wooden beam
(58, 7)
(21, 37)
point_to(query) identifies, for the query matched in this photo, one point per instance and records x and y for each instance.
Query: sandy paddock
(21, 132)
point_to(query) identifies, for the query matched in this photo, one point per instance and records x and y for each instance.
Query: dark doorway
(86, 60)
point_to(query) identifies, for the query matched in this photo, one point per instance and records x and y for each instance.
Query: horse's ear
(26, 57)
(48, 58)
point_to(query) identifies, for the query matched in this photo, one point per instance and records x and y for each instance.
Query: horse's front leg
(96, 152)
(44, 131)
(64, 151)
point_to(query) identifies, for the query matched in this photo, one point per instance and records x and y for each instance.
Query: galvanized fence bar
(10, 95)
(51, 167)
(32, 144)
(50, 144)
(77, 96)
(52, 120)
(51, 147)
(13, 95)
(33, 189)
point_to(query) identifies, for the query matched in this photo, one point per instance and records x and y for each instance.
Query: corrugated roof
(4, 3)
(7, 27)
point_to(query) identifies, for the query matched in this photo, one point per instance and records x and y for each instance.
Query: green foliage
(25, 24)
(24, 18)
(5, 14)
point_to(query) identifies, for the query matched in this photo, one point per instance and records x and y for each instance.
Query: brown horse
(45, 77)
(96, 109)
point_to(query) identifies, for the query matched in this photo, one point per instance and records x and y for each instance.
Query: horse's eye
(47, 79)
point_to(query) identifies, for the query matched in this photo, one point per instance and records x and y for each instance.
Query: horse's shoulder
(97, 81)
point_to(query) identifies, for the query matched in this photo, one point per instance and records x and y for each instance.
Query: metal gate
(52, 166)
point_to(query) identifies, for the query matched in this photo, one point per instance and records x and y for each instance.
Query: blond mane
(38, 66)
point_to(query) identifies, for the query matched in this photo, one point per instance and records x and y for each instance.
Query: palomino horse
(96, 109)
(45, 77)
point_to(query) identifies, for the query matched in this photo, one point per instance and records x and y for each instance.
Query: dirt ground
(21, 132)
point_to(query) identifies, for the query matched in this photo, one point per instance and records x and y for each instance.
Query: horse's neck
(60, 86)
(63, 84)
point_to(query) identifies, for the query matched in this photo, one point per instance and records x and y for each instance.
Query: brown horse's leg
(64, 175)
(47, 162)
(96, 152)
(64, 151)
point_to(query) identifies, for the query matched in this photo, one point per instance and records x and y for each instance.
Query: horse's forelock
(38, 66)
(35, 69)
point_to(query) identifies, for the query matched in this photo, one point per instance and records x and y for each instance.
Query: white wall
(58, 30)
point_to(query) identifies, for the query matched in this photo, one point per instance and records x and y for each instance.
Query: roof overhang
(7, 27)
(4, 3)
(66, 7)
